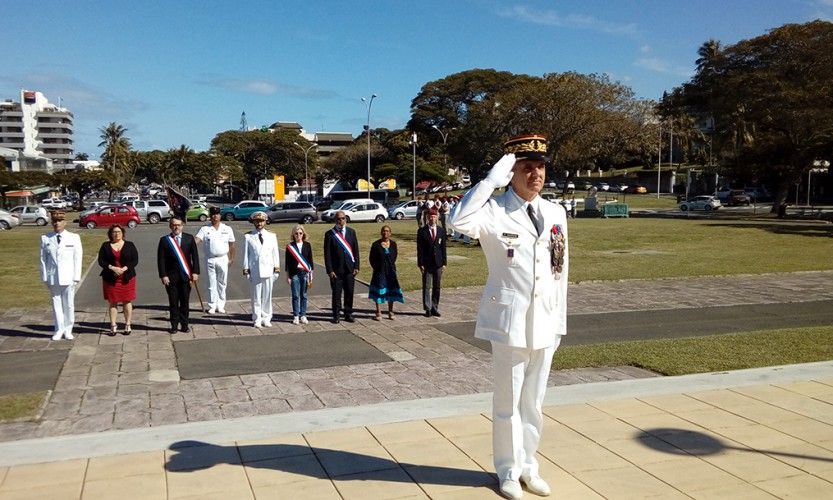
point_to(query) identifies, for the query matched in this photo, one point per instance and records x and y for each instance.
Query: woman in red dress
(118, 259)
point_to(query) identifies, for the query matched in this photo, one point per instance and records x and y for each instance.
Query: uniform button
(536, 295)
(494, 298)
(537, 278)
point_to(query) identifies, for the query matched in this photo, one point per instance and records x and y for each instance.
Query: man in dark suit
(179, 265)
(341, 258)
(431, 259)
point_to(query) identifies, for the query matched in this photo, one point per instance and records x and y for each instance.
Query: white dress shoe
(295, 320)
(304, 320)
(58, 336)
(257, 324)
(68, 336)
(267, 324)
(536, 485)
(211, 311)
(221, 311)
(511, 489)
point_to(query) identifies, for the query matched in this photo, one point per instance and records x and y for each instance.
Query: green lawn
(705, 354)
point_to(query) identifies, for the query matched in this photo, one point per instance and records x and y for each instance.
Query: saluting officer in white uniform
(262, 265)
(218, 247)
(60, 269)
(523, 311)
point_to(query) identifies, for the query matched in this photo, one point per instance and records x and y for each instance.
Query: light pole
(444, 135)
(413, 142)
(659, 159)
(369, 103)
(306, 167)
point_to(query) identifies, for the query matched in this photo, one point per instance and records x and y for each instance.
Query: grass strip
(682, 356)
(21, 406)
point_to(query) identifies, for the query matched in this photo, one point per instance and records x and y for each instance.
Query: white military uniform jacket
(524, 303)
(261, 259)
(60, 263)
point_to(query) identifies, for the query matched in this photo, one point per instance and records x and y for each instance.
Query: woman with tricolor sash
(384, 284)
(299, 267)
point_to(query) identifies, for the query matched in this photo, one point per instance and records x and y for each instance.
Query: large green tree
(770, 99)
(117, 158)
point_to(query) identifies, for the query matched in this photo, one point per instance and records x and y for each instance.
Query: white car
(329, 215)
(406, 210)
(366, 212)
(8, 220)
(31, 213)
(705, 202)
(53, 203)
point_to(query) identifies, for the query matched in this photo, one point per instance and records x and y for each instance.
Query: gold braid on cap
(526, 144)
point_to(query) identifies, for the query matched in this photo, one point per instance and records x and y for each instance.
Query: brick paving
(126, 382)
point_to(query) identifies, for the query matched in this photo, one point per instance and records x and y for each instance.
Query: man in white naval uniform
(262, 265)
(523, 311)
(218, 247)
(60, 269)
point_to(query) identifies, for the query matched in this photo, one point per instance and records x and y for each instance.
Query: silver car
(707, 203)
(7, 220)
(406, 210)
(31, 214)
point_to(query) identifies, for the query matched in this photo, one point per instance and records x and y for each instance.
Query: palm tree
(710, 52)
(116, 155)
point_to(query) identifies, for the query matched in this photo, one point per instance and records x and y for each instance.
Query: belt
(215, 256)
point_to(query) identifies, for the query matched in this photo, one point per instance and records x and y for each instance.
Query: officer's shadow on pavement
(689, 442)
(318, 463)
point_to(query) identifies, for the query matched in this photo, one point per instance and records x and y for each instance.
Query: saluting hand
(501, 173)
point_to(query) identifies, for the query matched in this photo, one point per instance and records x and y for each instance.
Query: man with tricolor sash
(178, 262)
(341, 259)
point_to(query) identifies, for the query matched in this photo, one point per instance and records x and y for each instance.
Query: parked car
(243, 210)
(406, 210)
(31, 213)
(367, 212)
(738, 197)
(329, 215)
(704, 202)
(8, 220)
(152, 211)
(197, 211)
(637, 189)
(757, 193)
(53, 203)
(292, 211)
(106, 216)
(602, 186)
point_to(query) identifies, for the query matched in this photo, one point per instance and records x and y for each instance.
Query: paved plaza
(351, 430)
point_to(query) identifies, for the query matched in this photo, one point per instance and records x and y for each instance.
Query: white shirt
(216, 241)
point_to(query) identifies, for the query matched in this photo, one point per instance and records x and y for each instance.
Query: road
(149, 289)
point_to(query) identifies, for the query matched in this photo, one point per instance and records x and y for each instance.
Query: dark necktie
(59, 238)
(531, 212)
(260, 236)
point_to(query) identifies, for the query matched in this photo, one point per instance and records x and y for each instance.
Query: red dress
(120, 291)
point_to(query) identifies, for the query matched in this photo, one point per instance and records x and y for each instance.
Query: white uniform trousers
(520, 380)
(262, 299)
(63, 308)
(217, 269)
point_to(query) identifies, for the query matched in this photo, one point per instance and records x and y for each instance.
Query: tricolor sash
(302, 263)
(346, 246)
(180, 257)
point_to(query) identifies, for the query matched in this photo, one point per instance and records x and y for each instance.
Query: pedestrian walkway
(128, 382)
(762, 433)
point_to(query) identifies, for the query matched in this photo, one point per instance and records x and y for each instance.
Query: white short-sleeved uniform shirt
(216, 241)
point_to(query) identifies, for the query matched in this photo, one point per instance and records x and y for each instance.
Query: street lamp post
(413, 143)
(369, 103)
(306, 167)
(659, 160)
(444, 135)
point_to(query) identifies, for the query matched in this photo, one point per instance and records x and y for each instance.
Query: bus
(387, 197)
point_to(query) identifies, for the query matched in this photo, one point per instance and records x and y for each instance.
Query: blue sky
(178, 72)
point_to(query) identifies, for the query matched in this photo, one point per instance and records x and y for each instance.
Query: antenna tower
(244, 125)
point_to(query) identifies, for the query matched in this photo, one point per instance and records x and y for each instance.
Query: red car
(107, 216)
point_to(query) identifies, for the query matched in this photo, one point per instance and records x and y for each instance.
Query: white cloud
(660, 66)
(265, 87)
(578, 21)
(645, 49)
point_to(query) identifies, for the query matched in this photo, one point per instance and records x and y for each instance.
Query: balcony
(62, 135)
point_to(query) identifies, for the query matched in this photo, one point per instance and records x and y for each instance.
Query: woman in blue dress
(384, 285)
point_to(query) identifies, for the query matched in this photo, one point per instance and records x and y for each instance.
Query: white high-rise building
(39, 130)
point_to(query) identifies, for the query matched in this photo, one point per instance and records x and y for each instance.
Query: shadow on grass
(688, 442)
(319, 463)
(787, 228)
